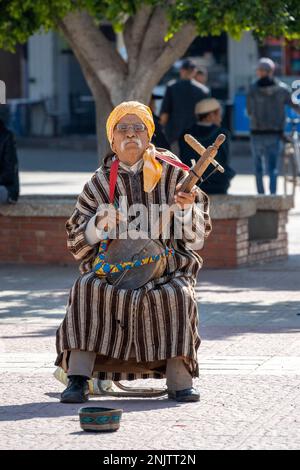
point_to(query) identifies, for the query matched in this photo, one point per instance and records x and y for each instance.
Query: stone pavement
(249, 360)
(249, 363)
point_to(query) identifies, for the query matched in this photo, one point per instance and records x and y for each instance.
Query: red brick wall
(227, 245)
(43, 240)
(33, 240)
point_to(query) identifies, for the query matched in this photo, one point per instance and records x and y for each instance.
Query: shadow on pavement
(34, 334)
(273, 276)
(29, 411)
(226, 320)
(49, 305)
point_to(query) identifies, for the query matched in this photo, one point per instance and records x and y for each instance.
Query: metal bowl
(99, 419)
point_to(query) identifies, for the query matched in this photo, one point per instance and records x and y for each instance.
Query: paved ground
(249, 359)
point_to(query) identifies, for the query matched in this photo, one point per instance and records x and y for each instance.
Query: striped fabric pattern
(160, 319)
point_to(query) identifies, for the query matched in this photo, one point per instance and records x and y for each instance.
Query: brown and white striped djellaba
(133, 332)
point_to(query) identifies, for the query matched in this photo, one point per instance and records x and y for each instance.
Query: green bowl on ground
(98, 419)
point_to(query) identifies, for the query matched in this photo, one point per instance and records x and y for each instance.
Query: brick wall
(227, 245)
(41, 239)
(267, 250)
(33, 240)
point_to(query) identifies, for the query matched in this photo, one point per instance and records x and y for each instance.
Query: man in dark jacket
(159, 139)
(206, 130)
(178, 107)
(9, 177)
(266, 103)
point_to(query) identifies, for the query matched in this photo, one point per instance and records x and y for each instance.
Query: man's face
(215, 117)
(130, 138)
(201, 77)
(187, 74)
(261, 73)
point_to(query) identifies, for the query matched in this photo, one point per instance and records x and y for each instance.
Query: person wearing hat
(178, 107)
(113, 333)
(266, 101)
(206, 130)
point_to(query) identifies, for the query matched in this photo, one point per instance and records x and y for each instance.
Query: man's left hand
(184, 200)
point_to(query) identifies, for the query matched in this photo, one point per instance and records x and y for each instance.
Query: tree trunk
(110, 78)
(103, 104)
(103, 108)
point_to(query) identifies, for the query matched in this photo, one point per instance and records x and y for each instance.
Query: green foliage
(19, 19)
(264, 17)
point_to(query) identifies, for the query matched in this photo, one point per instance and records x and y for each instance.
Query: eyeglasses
(137, 127)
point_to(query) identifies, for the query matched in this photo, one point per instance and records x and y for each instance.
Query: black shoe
(188, 394)
(77, 390)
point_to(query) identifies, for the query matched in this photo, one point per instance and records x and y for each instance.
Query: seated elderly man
(114, 333)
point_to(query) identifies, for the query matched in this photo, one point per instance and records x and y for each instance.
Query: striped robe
(133, 332)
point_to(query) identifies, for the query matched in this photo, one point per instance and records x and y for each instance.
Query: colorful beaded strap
(102, 268)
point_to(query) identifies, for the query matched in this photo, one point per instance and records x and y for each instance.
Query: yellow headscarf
(152, 169)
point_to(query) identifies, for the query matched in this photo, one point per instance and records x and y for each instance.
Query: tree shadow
(42, 292)
(228, 319)
(37, 277)
(33, 304)
(34, 334)
(28, 411)
(273, 276)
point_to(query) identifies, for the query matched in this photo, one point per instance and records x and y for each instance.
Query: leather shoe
(188, 394)
(77, 390)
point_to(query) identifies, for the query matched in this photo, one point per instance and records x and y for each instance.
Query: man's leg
(81, 364)
(180, 381)
(3, 195)
(257, 148)
(178, 377)
(273, 148)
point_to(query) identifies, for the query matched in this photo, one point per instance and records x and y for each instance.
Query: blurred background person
(266, 103)
(9, 174)
(159, 139)
(207, 128)
(178, 107)
(201, 76)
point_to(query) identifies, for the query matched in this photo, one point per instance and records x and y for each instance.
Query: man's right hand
(108, 219)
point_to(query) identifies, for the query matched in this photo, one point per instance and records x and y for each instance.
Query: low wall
(33, 230)
(246, 230)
